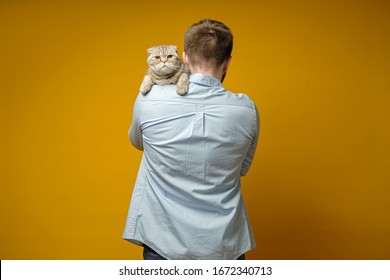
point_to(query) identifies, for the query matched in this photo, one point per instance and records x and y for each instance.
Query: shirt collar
(204, 79)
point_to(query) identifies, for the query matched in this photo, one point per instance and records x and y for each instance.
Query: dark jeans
(150, 254)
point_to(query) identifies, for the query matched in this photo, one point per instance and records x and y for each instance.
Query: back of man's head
(208, 41)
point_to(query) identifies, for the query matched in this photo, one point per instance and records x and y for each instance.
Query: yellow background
(319, 187)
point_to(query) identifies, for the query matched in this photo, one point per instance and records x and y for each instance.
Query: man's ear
(185, 59)
(227, 63)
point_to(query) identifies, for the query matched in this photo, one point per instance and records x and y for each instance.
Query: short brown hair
(208, 40)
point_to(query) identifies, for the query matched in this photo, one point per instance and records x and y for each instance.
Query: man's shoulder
(219, 96)
(160, 92)
(237, 99)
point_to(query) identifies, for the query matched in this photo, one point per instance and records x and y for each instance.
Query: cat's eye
(157, 57)
(170, 56)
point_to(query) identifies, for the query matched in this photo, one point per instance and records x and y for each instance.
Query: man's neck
(211, 71)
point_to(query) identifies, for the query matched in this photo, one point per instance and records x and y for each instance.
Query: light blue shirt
(187, 201)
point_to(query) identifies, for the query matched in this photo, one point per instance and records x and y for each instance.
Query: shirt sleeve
(252, 148)
(135, 132)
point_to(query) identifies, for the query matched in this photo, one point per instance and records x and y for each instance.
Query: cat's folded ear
(173, 47)
(150, 50)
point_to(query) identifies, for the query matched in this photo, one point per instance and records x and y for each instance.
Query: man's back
(187, 200)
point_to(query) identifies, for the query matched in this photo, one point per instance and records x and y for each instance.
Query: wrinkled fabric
(187, 201)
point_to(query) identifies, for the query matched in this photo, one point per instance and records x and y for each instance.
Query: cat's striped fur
(165, 67)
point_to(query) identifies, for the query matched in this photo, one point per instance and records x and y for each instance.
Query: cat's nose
(164, 59)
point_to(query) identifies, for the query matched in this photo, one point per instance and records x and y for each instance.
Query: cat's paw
(182, 89)
(146, 85)
(144, 89)
(182, 84)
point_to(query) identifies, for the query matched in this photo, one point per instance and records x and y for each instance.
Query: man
(187, 201)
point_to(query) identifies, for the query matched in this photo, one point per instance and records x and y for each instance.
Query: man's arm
(135, 132)
(252, 148)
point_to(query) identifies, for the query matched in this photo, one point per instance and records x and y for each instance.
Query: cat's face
(163, 60)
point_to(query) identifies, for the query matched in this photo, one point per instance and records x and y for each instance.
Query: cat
(165, 67)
